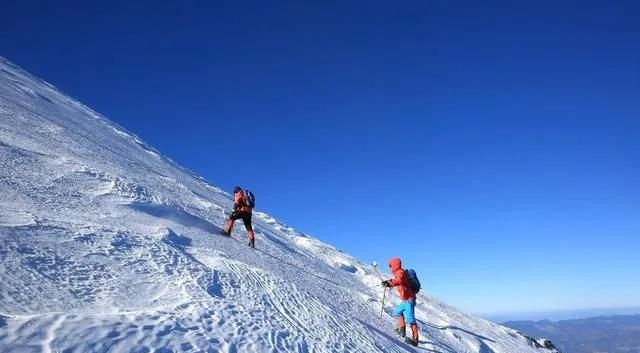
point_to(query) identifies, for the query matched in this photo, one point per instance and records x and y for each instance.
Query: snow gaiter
(402, 327)
(414, 332)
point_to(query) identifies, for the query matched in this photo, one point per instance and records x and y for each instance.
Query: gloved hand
(386, 283)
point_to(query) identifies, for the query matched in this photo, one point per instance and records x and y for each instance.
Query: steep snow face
(107, 246)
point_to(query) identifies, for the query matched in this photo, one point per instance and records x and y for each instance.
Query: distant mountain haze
(610, 334)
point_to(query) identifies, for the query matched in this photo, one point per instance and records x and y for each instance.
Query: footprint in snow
(15, 218)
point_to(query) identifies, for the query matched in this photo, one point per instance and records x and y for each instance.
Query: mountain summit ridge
(108, 246)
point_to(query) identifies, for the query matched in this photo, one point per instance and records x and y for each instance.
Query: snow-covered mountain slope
(107, 246)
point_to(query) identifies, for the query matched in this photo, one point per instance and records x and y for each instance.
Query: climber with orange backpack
(243, 205)
(407, 284)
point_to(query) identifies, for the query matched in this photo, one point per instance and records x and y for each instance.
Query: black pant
(244, 216)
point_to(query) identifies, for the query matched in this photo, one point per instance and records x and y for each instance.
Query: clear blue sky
(495, 146)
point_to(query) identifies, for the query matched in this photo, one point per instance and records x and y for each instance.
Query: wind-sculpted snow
(107, 246)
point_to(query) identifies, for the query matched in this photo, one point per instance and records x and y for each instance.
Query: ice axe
(384, 291)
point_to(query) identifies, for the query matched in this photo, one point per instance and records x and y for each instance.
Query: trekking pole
(384, 293)
(375, 267)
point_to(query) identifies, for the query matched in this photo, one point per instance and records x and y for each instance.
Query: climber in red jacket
(241, 210)
(406, 309)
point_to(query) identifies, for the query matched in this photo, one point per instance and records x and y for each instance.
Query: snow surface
(107, 246)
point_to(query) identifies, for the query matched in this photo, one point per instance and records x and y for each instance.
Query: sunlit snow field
(107, 246)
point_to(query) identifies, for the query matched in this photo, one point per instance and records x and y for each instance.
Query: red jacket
(239, 204)
(401, 281)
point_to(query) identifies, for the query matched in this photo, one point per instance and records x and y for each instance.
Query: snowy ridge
(108, 246)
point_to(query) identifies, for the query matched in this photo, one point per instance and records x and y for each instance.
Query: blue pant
(406, 308)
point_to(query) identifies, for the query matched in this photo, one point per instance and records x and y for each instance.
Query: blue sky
(494, 146)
